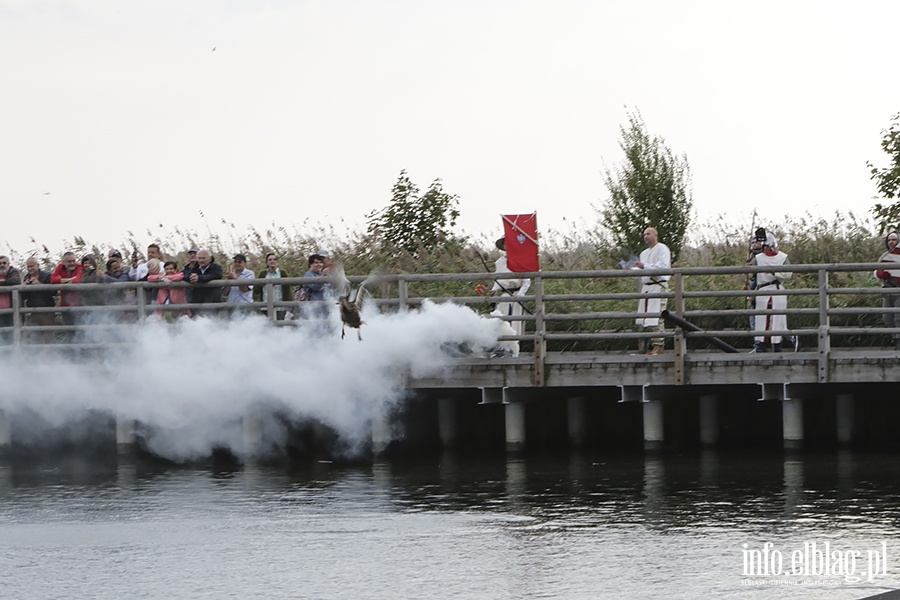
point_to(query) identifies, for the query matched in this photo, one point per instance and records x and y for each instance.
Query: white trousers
(770, 322)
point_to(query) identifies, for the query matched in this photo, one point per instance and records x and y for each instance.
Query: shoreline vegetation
(807, 240)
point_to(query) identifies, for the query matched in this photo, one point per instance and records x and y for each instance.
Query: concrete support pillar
(653, 424)
(381, 433)
(125, 435)
(709, 421)
(447, 422)
(5, 431)
(792, 422)
(577, 417)
(251, 433)
(845, 420)
(515, 426)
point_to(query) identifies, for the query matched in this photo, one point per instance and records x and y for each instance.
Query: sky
(124, 116)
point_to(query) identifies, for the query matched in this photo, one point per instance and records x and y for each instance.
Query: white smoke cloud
(189, 385)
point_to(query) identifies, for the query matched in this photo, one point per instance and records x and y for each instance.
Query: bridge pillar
(125, 436)
(709, 421)
(845, 418)
(653, 424)
(514, 411)
(5, 433)
(792, 422)
(381, 433)
(577, 421)
(447, 422)
(251, 434)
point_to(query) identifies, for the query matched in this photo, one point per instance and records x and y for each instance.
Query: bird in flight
(214, 49)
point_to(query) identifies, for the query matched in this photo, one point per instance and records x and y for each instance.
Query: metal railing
(567, 310)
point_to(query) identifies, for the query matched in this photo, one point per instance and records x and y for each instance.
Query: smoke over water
(190, 384)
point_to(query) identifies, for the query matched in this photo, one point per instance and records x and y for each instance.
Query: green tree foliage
(651, 188)
(888, 178)
(414, 222)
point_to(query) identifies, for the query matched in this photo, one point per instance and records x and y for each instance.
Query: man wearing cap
(774, 280)
(890, 278)
(188, 267)
(239, 294)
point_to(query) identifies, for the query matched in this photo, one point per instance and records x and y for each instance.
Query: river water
(703, 525)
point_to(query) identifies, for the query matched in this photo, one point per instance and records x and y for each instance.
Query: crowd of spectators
(198, 272)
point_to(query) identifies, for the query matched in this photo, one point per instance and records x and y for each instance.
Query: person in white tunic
(772, 281)
(509, 288)
(655, 256)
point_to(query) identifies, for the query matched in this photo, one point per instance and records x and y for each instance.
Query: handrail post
(270, 301)
(540, 340)
(680, 342)
(17, 319)
(141, 304)
(824, 327)
(680, 348)
(403, 294)
(679, 293)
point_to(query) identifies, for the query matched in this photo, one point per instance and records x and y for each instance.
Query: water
(572, 527)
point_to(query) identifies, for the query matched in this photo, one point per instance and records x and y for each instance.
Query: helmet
(759, 235)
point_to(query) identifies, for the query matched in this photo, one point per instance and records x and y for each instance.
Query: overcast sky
(123, 115)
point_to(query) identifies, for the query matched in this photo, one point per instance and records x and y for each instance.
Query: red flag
(520, 234)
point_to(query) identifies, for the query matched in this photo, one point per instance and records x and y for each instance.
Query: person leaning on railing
(282, 292)
(205, 271)
(39, 299)
(9, 275)
(890, 278)
(69, 271)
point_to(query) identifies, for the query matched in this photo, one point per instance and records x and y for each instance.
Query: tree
(651, 188)
(888, 178)
(412, 222)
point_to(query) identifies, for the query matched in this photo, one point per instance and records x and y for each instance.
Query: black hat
(239, 257)
(760, 235)
(501, 244)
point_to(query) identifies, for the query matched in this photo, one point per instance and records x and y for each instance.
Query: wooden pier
(580, 378)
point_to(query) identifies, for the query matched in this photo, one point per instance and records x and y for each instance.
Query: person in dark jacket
(282, 293)
(9, 275)
(43, 299)
(200, 275)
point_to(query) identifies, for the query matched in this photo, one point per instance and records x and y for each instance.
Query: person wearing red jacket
(66, 272)
(890, 278)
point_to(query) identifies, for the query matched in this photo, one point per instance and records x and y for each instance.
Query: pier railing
(829, 306)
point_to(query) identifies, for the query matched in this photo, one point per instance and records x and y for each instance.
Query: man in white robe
(510, 288)
(655, 256)
(773, 281)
